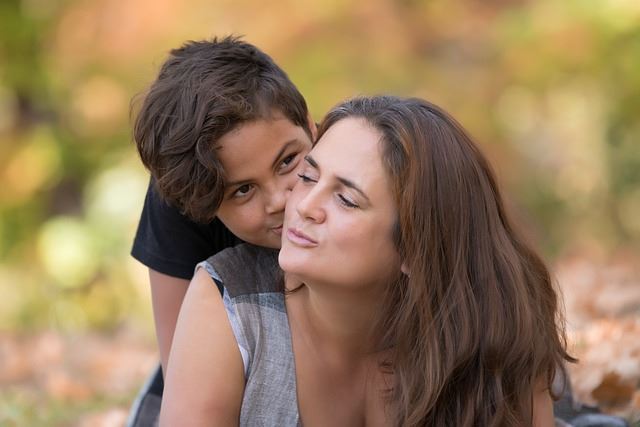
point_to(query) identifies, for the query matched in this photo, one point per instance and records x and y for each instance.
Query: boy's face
(261, 160)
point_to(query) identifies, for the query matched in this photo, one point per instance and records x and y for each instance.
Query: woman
(408, 299)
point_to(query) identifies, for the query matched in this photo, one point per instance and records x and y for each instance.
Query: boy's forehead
(258, 146)
(275, 123)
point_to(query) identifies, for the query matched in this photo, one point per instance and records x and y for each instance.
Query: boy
(223, 131)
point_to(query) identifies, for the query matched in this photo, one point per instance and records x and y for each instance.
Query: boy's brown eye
(243, 190)
(287, 160)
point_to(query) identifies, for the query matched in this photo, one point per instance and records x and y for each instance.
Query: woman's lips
(298, 238)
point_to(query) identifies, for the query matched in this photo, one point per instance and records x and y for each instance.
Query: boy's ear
(313, 128)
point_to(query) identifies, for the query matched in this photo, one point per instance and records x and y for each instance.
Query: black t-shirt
(170, 243)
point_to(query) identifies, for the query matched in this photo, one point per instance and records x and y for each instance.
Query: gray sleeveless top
(251, 280)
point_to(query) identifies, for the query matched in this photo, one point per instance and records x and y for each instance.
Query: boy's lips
(298, 238)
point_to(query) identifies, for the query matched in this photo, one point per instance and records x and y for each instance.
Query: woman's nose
(309, 204)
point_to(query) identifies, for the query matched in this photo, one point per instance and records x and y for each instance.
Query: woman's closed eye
(343, 199)
(347, 202)
(306, 178)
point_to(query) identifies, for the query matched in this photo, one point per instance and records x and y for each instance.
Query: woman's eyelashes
(343, 199)
(306, 178)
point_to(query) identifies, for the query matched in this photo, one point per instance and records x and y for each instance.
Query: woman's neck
(335, 321)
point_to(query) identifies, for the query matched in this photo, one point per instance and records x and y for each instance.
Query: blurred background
(550, 89)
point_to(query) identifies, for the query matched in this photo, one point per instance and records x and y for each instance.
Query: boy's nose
(279, 193)
(276, 199)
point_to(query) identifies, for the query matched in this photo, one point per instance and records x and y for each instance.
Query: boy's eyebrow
(282, 150)
(275, 163)
(344, 181)
(228, 185)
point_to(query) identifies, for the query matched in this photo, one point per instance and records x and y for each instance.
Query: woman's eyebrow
(351, 184)
(311, 161)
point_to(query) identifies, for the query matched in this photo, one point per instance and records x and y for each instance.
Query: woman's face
(340, 215)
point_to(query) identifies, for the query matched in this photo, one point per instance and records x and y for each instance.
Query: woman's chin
(291, 261)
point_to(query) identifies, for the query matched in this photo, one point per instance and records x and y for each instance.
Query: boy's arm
(170, 245)
(167, 294)
(205, 376)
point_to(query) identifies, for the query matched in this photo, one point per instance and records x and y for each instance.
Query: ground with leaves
(49, 379)
(603, 318)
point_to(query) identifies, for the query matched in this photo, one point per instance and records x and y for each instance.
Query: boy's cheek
(239, 221)
(249, 225)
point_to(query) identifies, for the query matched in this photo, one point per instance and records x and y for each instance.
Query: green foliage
(550, 89)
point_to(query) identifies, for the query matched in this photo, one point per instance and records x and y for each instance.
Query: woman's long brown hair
(473, 327)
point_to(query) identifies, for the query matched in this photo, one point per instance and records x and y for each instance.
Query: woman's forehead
(350, 140)
(351, 149)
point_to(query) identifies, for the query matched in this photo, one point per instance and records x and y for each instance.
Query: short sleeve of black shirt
(170, 243)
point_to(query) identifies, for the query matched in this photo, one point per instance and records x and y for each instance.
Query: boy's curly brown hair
(204, 90)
